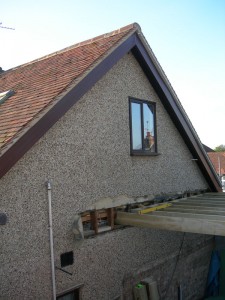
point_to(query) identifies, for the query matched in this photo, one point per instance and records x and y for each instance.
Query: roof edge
(62, 103)
(63, 93)
(134, 26)
(134, 39)
(180, 113)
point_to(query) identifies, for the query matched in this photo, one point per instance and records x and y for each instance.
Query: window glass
(149, 139)
(142, 124)
(136, 126)
(70, 296)
(73, 295)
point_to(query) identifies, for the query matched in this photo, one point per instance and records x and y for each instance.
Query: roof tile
(38, 83)
(218, 161)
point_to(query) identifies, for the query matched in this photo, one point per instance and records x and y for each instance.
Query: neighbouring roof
(208, 149)
(218, 161)
(46, 88)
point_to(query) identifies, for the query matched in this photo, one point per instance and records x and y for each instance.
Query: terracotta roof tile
(38, 83)
(218, 160)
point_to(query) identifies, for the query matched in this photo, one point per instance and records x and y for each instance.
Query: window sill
(142, 153)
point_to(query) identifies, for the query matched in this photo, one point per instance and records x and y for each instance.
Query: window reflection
(136, 126)
(149, 139)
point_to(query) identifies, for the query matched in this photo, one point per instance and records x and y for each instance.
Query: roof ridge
(135, 26)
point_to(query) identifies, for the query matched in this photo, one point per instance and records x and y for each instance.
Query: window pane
(73, 295)
(136, 126)
(70, 296)
(149, 138)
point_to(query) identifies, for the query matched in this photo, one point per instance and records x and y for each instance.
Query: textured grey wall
(86, 155)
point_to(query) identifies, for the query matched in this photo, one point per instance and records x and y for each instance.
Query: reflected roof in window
(5, 95)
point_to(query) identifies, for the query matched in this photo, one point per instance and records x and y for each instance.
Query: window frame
(142, 151)
(76, 291)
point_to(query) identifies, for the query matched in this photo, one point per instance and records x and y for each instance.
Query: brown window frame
(76, 291)
(142, 151)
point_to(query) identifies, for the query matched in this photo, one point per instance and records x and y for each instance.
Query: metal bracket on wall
(71, 274)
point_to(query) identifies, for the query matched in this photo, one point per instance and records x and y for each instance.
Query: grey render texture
(86, 156)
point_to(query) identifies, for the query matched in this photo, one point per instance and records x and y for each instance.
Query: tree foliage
(220, 148)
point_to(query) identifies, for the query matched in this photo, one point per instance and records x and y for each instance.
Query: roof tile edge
(41, 113)
(134, 26)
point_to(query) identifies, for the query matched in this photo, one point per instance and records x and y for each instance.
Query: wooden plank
(110, 217)
(191, 215)
(194, 210)
(206, 201)
(199, 206)
(208, 204)
(213, 193)
(87, 216)
(172, 223)
(212, 196)
(94, 220)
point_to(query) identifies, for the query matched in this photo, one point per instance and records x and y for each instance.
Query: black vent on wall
(3, 219)
(66, 259)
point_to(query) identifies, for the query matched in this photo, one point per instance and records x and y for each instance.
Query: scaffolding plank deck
(198, 214)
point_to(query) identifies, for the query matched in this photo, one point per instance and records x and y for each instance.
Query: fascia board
(145, 57)
(157, 77)
(36, 131)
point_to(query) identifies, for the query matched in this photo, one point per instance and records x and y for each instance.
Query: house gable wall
(86, 155)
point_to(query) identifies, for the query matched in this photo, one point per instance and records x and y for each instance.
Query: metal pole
(51, 238)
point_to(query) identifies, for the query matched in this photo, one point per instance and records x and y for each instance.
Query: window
(142, 127)
(71, 294)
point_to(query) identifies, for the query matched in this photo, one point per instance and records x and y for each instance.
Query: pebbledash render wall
(86, 155)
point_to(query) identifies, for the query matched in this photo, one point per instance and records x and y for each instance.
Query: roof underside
(204, 214)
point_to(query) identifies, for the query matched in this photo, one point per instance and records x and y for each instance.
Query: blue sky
(187, 37)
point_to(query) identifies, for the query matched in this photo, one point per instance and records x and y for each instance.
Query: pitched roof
(218, 161)
(36, 84)
(46, 88)
(207, 149)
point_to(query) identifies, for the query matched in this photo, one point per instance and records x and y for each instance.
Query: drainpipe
(51, 238)
(180, 292)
